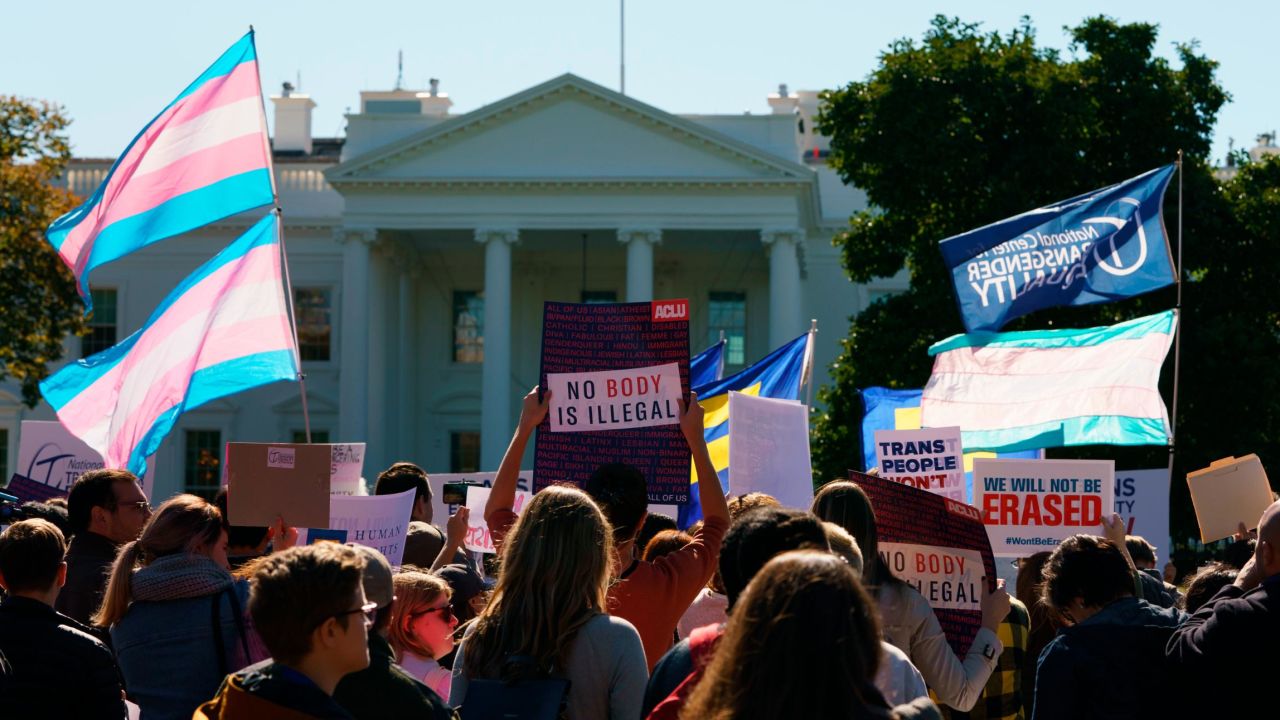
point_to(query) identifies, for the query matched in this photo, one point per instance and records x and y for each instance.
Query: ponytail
(119, 588)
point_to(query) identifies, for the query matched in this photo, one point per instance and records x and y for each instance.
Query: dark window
(599, 297)
(464, 451)
(468, 326)
(102, 323)
(317, 436)
(204, 462)
(727, 312)
(314, 310)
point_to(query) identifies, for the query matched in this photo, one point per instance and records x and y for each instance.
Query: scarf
(179, 576)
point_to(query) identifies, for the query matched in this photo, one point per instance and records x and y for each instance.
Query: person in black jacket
(1225, 653)
(50, 665)
(106, 508)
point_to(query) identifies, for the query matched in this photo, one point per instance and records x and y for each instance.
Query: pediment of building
(567, 131)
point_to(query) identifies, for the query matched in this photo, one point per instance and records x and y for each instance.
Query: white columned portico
(353, 390)
(640, 243)
(495, 392)
(785, 321)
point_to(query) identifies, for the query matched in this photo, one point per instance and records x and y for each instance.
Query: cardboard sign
(1142, 501)
(377, 521)
(478, 538)
(265, 480)
(1032, 505)
(769, 449)
(1229, 492)
(441, 511)
(49, 454)
(939, 547)
(347, 466)
(589, 338)
(615, 399)
(927, 459)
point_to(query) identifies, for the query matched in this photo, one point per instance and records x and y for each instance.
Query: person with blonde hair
(547, 617)
(422, 626)
(175, 613)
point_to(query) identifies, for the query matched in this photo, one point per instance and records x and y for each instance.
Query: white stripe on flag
(210, 129)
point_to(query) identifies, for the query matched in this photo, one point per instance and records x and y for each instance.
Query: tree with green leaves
(966, 127)
(40, 304)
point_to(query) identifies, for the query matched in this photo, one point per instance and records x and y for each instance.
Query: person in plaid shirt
(1002, 695)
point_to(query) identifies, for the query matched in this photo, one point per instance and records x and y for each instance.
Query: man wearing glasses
(106, 509)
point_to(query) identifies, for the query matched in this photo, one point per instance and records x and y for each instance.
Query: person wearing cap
(384, 689)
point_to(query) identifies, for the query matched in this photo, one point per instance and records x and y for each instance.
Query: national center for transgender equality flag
(223, 330)
(1098, 247)
(779, 375)
(205, 157)
(1052, 388)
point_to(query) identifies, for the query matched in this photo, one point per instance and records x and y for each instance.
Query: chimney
(435, 102)
(293, 120)
(783, 102)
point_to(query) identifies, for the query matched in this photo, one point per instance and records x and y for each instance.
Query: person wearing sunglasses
(422, 628)
(385, 689)
(106, 508)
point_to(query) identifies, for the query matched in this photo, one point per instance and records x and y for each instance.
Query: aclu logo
(670, 310)
(1113, 264)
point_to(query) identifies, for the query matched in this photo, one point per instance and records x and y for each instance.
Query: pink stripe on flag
(99, 399)
(163, 393)
(1052, 361)
(240, 83)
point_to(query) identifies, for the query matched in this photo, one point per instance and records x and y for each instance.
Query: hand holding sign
(995, 606)
(533, 409)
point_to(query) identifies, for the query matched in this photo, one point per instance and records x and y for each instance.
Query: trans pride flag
(225, 329)
(203, 158)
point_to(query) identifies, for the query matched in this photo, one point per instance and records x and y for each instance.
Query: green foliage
(40, 302)
(967, 127)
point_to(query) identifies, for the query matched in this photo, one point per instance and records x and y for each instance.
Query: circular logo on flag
(1114, 264)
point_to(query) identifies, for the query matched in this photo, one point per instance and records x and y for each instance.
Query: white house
(423, 244)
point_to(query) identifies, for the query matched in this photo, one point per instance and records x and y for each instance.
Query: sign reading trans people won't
(1102, 246)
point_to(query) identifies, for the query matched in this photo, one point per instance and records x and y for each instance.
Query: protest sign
(289, 480)
(633, 339)
(769, 449)
(441, 511)
(615, 399)
(28, 490)
(478, 539)
(377, 521)
(315, 535)
(939, 547)
(1229, 492)
(1142, 501)
(927, 459)
(1032, 505)
(346, 468)
(48, 454)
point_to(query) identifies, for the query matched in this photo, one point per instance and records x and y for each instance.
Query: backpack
(523, 693)
(702, 647)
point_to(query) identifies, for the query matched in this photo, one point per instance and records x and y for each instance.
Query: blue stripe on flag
(1062, 338)
(1119, 430)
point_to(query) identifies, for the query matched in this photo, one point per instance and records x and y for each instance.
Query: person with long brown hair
(175, 612)
(907, 620)
(802, 642)
(549, 609)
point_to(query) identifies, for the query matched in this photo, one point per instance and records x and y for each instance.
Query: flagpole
(284, 255)
(808, 362)
(723, 347)
(1177, 332)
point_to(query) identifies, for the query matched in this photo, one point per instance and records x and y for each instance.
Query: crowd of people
(598, 610)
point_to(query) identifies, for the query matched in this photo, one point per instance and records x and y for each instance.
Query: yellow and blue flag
(780, 375)
(707, 366)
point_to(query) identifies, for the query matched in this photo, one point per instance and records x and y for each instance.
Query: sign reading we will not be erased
(1032, 505)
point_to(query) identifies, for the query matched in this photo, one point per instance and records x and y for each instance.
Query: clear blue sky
(113, 65)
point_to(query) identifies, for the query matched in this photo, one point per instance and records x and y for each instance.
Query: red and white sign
(949, 578)
(478, 537)
(1032, 505)
(670, 310)
(930, 459)
(615, 399)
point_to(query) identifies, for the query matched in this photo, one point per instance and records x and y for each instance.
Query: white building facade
(423, 244)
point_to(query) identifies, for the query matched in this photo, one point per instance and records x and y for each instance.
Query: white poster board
(769, 449)
(442, 511)
(1032, 505)
(615, 399)
(48, 453)
(478, 538)
(347, 469)
(1229, 492)
(931, 459)
(378, 521)
(1142, 501)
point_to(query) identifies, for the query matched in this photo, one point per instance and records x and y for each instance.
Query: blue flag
(1102, 246)
(707, 366)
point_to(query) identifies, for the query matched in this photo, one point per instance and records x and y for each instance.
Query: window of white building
(317, 436)
(727, 312)
(102, 323)
(599, 297)
(468, 326)
(313, 308)
(203, 463)
(464, 451)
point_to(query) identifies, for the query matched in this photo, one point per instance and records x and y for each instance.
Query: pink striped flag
(225, 329)
(205, 157)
